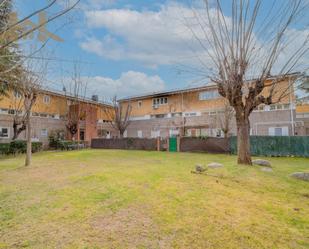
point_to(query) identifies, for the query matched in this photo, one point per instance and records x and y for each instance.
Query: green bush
(55, 138)
(4, 148)
(19, 146)
(67, 145)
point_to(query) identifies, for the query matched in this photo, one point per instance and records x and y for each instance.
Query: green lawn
(135, 199)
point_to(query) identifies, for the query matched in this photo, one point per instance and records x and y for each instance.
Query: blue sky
(121, 47)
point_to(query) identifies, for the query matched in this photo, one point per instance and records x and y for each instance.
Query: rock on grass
(301, 176)
(262, 162)
(215, 165)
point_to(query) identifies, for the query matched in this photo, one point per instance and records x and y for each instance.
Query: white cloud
(162, 37)
(129, 83)
(154, 38)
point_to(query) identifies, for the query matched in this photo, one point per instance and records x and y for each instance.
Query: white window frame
(284, 131)
(17, 95)
(140, 134)
(8, 132)
(208, 95)
(125, 134)
(46, 99)
(159, 101)
(45, 133)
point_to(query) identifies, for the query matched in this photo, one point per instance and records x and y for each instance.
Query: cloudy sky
(125, 47)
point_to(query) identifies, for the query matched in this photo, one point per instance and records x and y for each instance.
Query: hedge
(19, 146)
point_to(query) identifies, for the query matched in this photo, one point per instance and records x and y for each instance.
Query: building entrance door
(82, 135)
(173, 144)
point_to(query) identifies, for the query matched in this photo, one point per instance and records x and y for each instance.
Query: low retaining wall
(186, 144)
(210, 144)
(125, 143)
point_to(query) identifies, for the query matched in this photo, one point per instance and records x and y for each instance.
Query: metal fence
(275, 145)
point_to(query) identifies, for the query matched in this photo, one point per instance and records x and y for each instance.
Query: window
(159, 101)
(17, 95)
(190, 114)
(11, 111)
(4, 132)
(35, 114)
(139, 104)
(43, 115)
(44, 132)
(158, 116)
(177, 114)
(155, 134)
(209, 95)
(140, 134)
(286, 106)
(272, 107)
(46, 99)
(125, 134)
(278, 131)
(261, 107)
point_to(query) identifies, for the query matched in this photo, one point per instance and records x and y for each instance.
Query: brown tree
(76, 99)
(242, 48)
(225, 118)
(120, 115)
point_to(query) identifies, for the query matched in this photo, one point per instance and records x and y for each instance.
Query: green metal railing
(276, 145)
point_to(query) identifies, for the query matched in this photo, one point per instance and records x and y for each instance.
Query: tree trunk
(243, 140)
(29, 145)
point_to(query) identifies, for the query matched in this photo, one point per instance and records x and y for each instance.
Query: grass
(136, 199)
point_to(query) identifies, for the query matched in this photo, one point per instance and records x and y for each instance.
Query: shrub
(19, 146)
(55, 137)
(4, 148)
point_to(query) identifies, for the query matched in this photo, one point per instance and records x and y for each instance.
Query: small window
(43, 115)
(209, 95)
(261, 107)
(44, 132)
(11, 111)
(272, 107)
(46, 99)
(140, 134)
(4, 132)
(17, 95)
(286, 106)
(139, 104)
(159, 101)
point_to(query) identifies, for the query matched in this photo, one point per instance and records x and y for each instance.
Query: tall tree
(76, 98)
(120, 115)
(242, 42)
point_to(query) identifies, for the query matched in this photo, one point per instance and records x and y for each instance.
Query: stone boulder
(266, 169)
(199, 168)
(301, 176)
(261, 162)
(215, 165)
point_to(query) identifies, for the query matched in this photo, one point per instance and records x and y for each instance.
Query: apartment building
(199, 111)
(51, 113)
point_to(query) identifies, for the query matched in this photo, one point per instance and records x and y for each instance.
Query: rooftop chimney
(95, 98)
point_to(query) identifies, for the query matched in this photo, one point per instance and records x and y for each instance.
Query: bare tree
(11, 34)
(241, 49)
(120, 115)
(76, 96)
(225, 118)
(13, 30)
(30, 83)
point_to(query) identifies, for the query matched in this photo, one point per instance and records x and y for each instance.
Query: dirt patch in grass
(131, 227)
